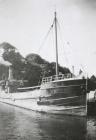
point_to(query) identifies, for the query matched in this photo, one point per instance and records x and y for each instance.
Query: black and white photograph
(47, 70)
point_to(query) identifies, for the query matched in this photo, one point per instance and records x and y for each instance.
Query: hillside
(31, 68)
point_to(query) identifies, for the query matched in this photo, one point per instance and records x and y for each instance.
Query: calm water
(20, 124)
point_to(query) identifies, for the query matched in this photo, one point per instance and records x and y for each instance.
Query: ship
(64, 94)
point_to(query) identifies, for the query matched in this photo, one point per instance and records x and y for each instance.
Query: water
(20, 124)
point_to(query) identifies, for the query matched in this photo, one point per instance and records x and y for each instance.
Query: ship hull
(56, 97)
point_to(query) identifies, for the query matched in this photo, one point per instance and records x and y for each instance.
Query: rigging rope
(62, 42)
(68, 44)
(80, 64)
(45, 38)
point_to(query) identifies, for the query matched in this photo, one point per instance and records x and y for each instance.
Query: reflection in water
(20, 124)
(91, 128)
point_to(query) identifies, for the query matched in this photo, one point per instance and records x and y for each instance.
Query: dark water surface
(20, 124)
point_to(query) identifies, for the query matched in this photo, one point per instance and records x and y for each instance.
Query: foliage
(32, 68)
(92, 83)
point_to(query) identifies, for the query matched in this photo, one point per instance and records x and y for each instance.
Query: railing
(56, 77)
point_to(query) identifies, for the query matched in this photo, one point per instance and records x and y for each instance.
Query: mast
(56, 43)
(86, 92)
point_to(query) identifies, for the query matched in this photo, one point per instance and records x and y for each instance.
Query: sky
(25, 23)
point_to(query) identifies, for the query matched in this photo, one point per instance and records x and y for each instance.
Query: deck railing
(56, 77)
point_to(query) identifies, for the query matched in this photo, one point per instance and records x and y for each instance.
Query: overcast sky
(25, 23)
